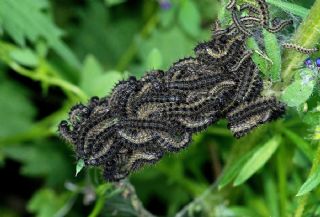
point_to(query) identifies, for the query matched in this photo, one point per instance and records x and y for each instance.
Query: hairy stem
(307, 35)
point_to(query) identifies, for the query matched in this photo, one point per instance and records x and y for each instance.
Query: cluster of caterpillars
(141, 120)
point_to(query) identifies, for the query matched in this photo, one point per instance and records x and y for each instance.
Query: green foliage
(258, 159)
(80, 166)
(312, 182)
(298, 92)
(18, 112)
(25, 20)
(94, 81)
(46, 203)
(42, 159)
(273, 52)
(290, 7)
(54, 54)
(189, 18)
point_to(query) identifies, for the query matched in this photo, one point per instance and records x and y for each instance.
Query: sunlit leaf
(154, 60)
(273, 51)
(297, 93)
(25, 57)
(258, 159)
(189, 18)
(94, 81)
(24, 20)
(80, 166)
(312, 182)
(263, 62)
(114, 2)
(231, 172)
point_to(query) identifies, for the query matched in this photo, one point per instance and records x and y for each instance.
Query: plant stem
(66, 86)
(307, 35)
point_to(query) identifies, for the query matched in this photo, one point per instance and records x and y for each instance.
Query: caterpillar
(300, 48)
(143, 119)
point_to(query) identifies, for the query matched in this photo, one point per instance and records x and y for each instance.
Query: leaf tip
(79, 167)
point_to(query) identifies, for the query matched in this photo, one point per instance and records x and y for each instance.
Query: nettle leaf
(94, 81)
(154, 60)
(17, 112)
(24, 57)
(105, 37)
(47, 203)
(42, 159)
(25, 20)
(312, 182)
(274, 53)
(298, 92)
(258, 159)
(189, 18)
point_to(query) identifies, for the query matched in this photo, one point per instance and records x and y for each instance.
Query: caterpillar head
(87, 126)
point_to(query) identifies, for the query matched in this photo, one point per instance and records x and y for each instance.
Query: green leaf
(94, 81)
(258, 159)
(290, 7)
(263, 62)
(312, 118)
(274, 53)
(99, 37)
(272, 195)
(46, 203)
(304, 146)
(312, 182)
(43, 159)
(80, 166)
(25, 20)
(307, 35)
(25, 57)
(164, 41)
(232, 171)
(297, 93)
(154, 60)
(167, 17)
(17, 112)
(114, 2)
(189, 18)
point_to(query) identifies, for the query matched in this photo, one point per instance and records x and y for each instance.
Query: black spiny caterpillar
(143, 119)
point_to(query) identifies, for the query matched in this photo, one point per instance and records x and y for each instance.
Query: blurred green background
(56, 53)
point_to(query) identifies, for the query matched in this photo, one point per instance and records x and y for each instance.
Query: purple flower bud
(318, 62)
(165, 4)
(308, 62)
